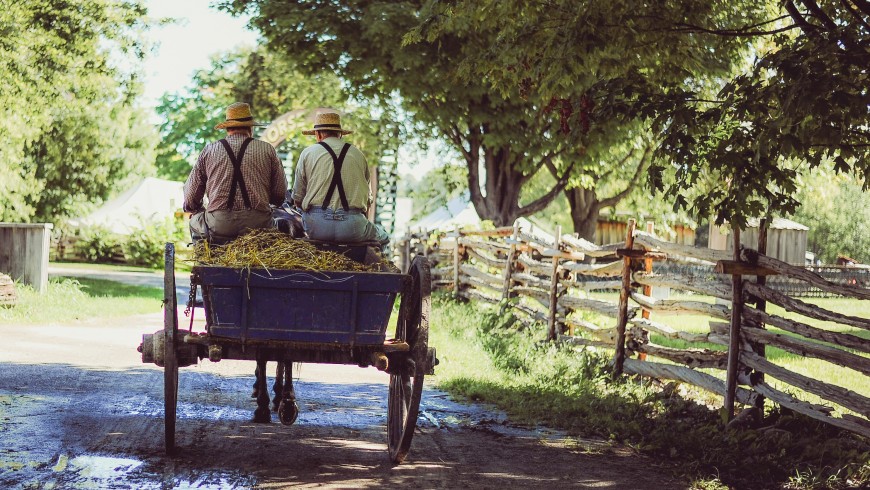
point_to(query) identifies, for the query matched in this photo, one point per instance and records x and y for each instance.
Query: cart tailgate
(351, 308)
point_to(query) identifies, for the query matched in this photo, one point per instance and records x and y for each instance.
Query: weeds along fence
(719, 331)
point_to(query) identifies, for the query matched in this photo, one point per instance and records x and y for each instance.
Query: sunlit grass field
(70, 300)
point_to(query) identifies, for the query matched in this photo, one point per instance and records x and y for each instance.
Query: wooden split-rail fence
(548, 279)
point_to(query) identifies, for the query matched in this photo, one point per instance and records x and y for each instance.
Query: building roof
(777, 224)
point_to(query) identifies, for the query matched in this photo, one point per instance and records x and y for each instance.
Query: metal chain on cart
(191, 303)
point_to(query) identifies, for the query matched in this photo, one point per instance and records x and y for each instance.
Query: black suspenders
(337, 162)
(238, 180)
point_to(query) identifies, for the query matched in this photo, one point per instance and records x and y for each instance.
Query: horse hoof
(288, 412)
(262, 416)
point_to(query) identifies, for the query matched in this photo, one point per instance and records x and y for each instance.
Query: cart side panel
(333, 307)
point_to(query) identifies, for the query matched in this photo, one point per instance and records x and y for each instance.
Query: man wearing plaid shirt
(240, 175)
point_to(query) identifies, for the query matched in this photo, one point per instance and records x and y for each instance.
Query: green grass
(484, 357)
(70, 300)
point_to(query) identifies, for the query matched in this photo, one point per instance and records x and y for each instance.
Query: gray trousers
(224, 225)
(342, 227)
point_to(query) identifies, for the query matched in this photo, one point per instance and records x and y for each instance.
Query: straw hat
(327, 121)
(238, 116)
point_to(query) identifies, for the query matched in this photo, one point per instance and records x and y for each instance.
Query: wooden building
(786, 239)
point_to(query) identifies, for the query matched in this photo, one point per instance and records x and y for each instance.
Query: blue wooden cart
(303, 316)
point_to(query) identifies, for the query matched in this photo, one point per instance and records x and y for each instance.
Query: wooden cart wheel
(406, 383)
(170, 358)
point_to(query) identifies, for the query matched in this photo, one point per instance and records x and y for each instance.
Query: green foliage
(434, 189)
(568, 388)
(98, 244)
(803, 102)
(837, 212)
(145, 247)
(72, 130)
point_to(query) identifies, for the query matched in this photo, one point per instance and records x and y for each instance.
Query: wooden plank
(797, 306)
(586, 247)
(594, 285)
(476, 283)
(622, 312)
(569, 339)
(686, 375)
(737, 267)
(490, 261)
(682, 307)
(734, 333)
(498, 232)
(508, 264)
(802, 273)
(673, 249)
(601, 306)
(491, 247)
(601, 333)
(561, 254)
(841, 396)
(491, 279)
(686, 283)
(532, 265)
(668, 332)
(597, 270)
(809, 410)
(806, 348)
(842, 339)
(694, 358)
(474, 294)
(640, 254)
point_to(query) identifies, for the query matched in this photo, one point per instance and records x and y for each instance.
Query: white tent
(457, 212)
(149, 200)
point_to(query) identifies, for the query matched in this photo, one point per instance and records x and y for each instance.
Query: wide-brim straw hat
(327, 121)
(238, 116)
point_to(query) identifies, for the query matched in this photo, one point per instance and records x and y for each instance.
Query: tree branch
(543, 201)
(855, 13)
(641, 165)
(864, 5)
(820, 14)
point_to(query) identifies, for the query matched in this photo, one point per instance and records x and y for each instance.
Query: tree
(72, 131)
(502, 140)
(273, 86)
(805, 101)
(585, 57)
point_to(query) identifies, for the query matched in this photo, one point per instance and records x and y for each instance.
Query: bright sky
(185, 46)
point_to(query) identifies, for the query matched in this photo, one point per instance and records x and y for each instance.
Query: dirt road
(79, 410)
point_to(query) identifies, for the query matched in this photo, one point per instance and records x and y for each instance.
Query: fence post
(734, 333)
(456, 263)
(622, 312)
(554, 287)
(508, 266)
(647, 290)
(406, 252)
(761, 305)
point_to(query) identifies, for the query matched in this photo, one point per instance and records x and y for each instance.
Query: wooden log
(498, 232)
(569, 339)
(456, 264)
(806, 309)
(601, 333)
(810, 410)
(803, 274)
(491, 247)
(601, 306)
(442, 271)
(561, 254)
(622, 312)
(734, 334)
(476, 283)
(668, 332)
(640, 254)
(674, 250)
(508, 264)
(812, 349)
(682, 307)
(489, 261)
(491, 279)
(8, 295)
(531, 265)
(694, 358)
(841, 396)
(474, 294)
(534, 314)
(720, 290)
(586, 247)
(595, 270)
(594, 285)
(536, 237)
(552, 327)
(740, 268)
(686, 375)
(842, 339)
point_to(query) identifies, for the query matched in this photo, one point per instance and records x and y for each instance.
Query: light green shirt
(314, 174)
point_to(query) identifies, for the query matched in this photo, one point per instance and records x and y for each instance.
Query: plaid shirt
(213, 173)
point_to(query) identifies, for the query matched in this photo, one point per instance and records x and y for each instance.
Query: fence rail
(548, 279)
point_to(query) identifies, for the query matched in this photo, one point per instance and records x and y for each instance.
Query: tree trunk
(585, 206)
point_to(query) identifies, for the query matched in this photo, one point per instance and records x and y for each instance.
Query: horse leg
(262, 414)
(256, 391)
(278, 386)
(288, 410)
